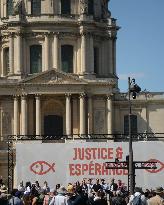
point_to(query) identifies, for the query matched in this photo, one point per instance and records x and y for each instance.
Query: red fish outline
(41, 163)
(154, 171)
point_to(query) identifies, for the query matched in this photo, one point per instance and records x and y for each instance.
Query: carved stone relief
(105, 12)
(83, 7)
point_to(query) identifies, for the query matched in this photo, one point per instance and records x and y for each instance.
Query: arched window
(90, 7)
(35, 7)
(67, 58)
(35, 58)
(96, 60)
(133, 124)
(6, 60)
(9, 7)
(66, 7)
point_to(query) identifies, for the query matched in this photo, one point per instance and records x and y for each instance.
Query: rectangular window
(6, 58)
(35, 58)
(65, 7)
(96, 60)
(67, 58)
(90, 7)
(9, 9)
(133, 124)
(36, 7)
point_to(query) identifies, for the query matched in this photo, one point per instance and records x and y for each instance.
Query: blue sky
(140, 42)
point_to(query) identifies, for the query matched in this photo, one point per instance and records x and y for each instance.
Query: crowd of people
(85, 193)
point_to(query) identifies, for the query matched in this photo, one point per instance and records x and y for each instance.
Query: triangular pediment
(53, 77)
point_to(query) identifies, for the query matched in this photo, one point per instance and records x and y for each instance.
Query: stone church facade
(58, 73)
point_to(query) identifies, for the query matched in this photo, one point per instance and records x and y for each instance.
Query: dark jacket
(100, 202)
(118, 200)
(80, 199)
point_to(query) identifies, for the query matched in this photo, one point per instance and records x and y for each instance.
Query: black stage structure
(61, 139)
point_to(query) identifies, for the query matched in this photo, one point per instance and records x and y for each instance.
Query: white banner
(69, 162)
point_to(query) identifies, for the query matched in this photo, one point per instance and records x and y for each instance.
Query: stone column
(91, 56)
(114, 55)
(110, 55)
(82, 114)
(38, 115)
(68, 114)
(83, 53)
(47, 52)
(16, 115)
(109, 115)
(55, 53)
(24, 115)
(90, 112)
(11, 53)
(19, 53)
(3, 69)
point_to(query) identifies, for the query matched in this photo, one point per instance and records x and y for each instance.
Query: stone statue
(18, 8)
(105, 11)
(83, 7)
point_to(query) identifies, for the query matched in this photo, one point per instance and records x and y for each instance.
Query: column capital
(109, 96)
(19, 34)
(68, 95)
(47, 34)
(84, 33)
(23, 96)
(82, 95)
(56, 34)
(11, 34)
(16, 97)
(37, 96)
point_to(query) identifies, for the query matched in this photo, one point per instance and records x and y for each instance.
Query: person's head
(62, 190)
(37, 183)
(84, 181)
(28, 184)
(103, 181)
(112, 180)
(70, 190)
(77, 183)
(119, 182)
(33, 185)
(21, 183)
(13, 192)
(52, 192)
(97, 181)
(159, 191)
(90, 181)
(18, 194)
(138, 189)
(57, 186)
(45, 183)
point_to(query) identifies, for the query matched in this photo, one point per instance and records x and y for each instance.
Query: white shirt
(59, 200)
(143, 198)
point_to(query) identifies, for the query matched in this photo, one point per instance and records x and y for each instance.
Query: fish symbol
(38, 167)
(159, 164)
